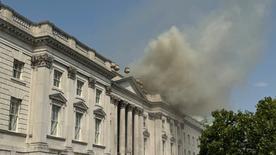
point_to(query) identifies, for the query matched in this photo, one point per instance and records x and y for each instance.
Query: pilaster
(41, 77)
(122, 136)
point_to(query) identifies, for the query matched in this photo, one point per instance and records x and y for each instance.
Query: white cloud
(260, 84)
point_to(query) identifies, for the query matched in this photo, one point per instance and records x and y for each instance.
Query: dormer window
(79, 87)
(57, 78)
(98, 96)
(17, 68)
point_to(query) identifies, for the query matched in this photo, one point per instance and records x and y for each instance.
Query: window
(79, 88)
(98, 96)
(171, 148)
(78, 125)
(14, 109)
(189, 139)
(97, 130)
(57, 77)
(55, 119)
(193, 140)
(145, 144)
(17, 68)
(163, 147)
(163, 124)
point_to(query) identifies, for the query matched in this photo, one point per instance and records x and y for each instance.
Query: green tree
(242, 133)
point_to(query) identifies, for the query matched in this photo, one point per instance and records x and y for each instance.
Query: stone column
(69, 115)
(141, 136)
(129, 129)
(136, 131)
(122, 139)
(114, 125)
(40, 99)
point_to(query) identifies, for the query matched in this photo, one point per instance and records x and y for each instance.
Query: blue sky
(120, 30)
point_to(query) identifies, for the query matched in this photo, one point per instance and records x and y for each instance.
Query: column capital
(72, 71)
(138, 111)
(108, 90)
(115, 100)
(92, 82)
(42, 60)
(123, 104)
(155, 115)
(130, 107)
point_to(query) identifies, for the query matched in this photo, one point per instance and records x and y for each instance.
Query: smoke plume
(195, 69)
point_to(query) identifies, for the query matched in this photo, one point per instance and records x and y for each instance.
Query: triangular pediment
(99, 112)
(81, 105)
(58, 97)
(132, 86)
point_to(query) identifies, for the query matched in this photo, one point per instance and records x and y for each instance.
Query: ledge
(55, 138)
(79, 142)
(57, 89)
(13, 133)
(99, 146)
(18, 81)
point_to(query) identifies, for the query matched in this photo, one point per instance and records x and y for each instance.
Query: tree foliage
(242, 133)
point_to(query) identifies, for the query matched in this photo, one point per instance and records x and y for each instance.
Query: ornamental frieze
(92, 82)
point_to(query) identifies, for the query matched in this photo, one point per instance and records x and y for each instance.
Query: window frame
(98, 99)
(17, 103)
(79, 90)
(79, 135)
(57, 128)
(59, 80)
(98, 130)
(18, 67)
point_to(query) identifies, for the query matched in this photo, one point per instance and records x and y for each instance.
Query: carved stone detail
(155, 115)
(123, 104)
(138, 111)
(43, 60)
(72, 71)
(108, 90)
(92, 82)
(130, 107)
(146, 133)
(115, 100)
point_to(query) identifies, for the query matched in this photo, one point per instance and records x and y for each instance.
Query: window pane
(79, 88)
(54, 119)
(97, 130)
(78, 125)
(98, 96)
(57, 77)
(13, 116)
(17, 68)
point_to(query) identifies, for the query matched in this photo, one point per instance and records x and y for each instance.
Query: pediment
(99, 112)
(132, 86)
(81, 105)
(58, 97)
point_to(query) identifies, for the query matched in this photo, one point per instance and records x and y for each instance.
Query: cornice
(55, 44)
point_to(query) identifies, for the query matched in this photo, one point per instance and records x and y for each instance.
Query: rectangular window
(55, 119)
(79, 88)
(171, 148)
(17, 68)
(98, 96)
(97, 130)
(14, 110)
(78, 125)
(163, 147)
(57, 77)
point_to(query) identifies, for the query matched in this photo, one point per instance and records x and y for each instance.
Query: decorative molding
(43, 60)
(138, 111)
(92, 82)
(72, 71)
(58, 97)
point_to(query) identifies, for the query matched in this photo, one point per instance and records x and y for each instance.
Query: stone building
(59, 96)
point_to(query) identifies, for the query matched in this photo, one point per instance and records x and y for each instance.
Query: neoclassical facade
(60, 97)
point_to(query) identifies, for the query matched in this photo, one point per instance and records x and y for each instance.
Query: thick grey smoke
(196, 69)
